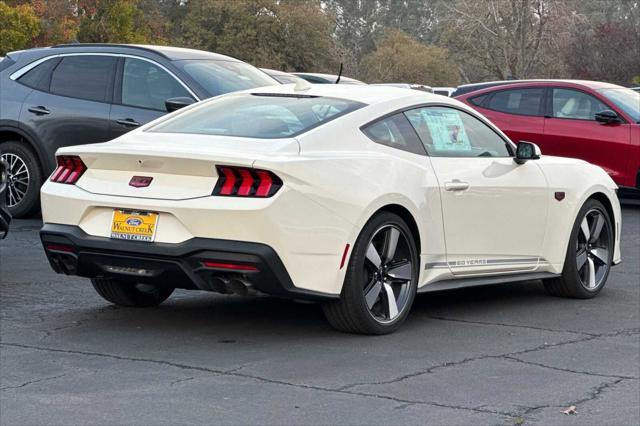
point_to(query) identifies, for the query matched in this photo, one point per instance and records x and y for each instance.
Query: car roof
(477, 87)
(359, 93)
(168, 52)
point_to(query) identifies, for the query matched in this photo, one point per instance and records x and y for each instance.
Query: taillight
(227, 265)
(246, 182)
(69, 170)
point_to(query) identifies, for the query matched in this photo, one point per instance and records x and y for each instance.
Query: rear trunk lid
(179, 166)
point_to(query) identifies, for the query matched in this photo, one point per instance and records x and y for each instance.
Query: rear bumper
(73, 252)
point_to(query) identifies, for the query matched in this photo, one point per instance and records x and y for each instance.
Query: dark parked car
(85, 93)
(472, 87)
(281, 76)
(317, 78)
(5, 216)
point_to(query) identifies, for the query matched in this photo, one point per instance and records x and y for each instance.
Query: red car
(597, 122)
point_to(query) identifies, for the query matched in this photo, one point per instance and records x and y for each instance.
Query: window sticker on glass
(447, 130)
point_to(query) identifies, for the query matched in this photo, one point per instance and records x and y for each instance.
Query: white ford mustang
(354, 196)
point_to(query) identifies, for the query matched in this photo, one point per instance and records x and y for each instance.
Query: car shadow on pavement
(192, 315)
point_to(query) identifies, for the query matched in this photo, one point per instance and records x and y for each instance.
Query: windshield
(220, 77)
(625, 99)
(264, 116)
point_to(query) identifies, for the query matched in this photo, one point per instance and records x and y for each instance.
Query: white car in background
(444, 91)
(354, 196)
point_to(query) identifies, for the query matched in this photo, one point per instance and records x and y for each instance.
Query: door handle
(39, 110)
(128, 122)
(456, 185)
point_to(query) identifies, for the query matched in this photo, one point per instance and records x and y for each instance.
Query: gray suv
(86, 93)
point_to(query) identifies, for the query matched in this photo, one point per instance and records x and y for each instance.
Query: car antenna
(339, 74)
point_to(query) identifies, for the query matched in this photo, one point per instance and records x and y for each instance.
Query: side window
(39, 77)
(395, 131)
(85, 77)
(146, 85)
(568, 103)
(517, 101)
(448, 132)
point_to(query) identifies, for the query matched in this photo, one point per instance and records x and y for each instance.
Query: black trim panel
(456, 283)
(179, 264)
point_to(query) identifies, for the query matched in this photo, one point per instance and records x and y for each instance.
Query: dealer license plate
(134, 225)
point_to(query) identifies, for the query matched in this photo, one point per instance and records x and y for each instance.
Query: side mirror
(527, 151)
(174, 104)
(607, 117)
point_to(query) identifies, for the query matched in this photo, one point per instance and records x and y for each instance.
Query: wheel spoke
(391, 301)
(12, 197)
(390, 244)
(19, 192)
(21, 170)
(373, 294)
(373, 256)
(591, 273)
(400, 272)
(581, 258)
(596, 227)
(601, 254)
(584, 227)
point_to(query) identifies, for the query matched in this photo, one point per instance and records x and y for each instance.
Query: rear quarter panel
(343, 171)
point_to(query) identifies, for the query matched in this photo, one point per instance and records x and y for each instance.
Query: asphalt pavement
(505, 354)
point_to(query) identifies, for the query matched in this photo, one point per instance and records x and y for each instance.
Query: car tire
(589, 255)
(126, 293)
(365, 305)
(23, 164)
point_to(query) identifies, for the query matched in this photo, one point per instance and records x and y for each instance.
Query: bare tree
(503, 38)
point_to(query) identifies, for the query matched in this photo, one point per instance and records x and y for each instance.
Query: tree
(58, 21)
(19, 26)
(115, 21)
(401, 58)
(502, 39)
(605, 43)
(359, 23)
(280, 34)
(609, 52)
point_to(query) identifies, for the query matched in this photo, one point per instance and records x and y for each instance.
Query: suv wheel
(24, 179)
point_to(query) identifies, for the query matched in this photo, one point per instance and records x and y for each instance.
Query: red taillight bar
(228, 180)
(246, 182)
(69, 170)
(59, 247)
(224, 265)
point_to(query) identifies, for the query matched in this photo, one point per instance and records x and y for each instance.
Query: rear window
(6, 62)
(263, 116)
(40, 76)
(478, 100)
